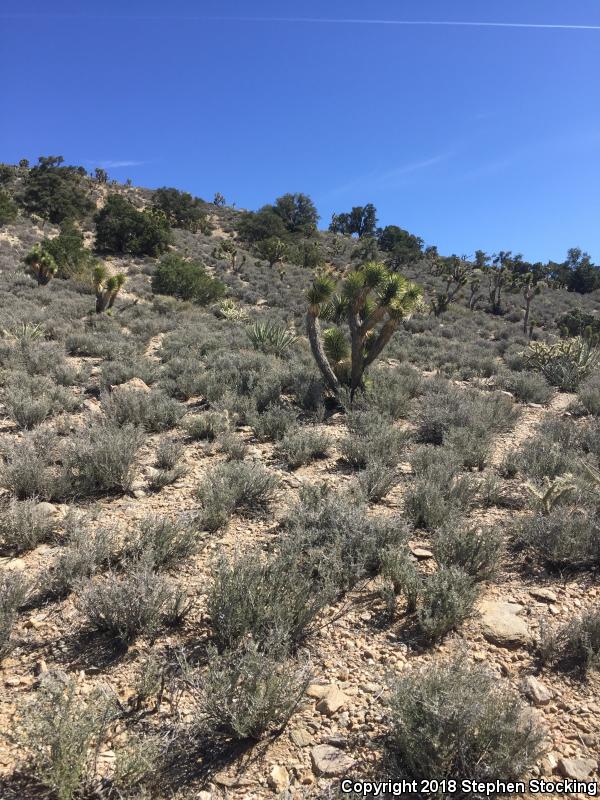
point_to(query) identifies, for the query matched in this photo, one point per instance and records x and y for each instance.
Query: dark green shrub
(236, 486)
(247, 693)
(477, 551)
(8, 208)
(125, 606)
(121, 228)
(56, 192)
(186, 280)
(458, 723)
(181, 210)
(67, 249)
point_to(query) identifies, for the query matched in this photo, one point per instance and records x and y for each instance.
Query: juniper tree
(41, 264)
(373, 302)
(106, 287)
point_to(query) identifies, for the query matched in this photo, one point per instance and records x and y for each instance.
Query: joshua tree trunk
(314, 337)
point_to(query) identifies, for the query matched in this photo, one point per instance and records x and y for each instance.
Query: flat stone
(319, 690)
(537, 692)
(332, 701)
(501, 624)
(546, 595)
(421, 552)
(328, 761)
(579, 769)
(46, 510)
(300, 737)
(279, 778)
(136, 384)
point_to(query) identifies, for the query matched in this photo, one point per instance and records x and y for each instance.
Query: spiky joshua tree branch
(107, 287)
(373, 302)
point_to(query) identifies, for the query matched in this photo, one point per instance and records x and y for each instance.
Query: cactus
(107, 287)
(373, 301)
(564, 364)
(552, 492)
(41, 264)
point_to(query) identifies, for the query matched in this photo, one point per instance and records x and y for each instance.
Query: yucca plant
(26, 332)
(41, 264)
(373, 301)
(564, 364)
(271, 338)
(106, 287)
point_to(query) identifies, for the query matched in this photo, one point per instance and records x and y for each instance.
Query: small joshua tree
(455, 273)
(228, 252)
(273, 250)
(40, 264)
(218, 200)
(529, 280)
(107, 287)
(373, 301)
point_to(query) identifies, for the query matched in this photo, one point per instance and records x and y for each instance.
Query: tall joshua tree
(373, 302)
(41, 264)
(106, 287)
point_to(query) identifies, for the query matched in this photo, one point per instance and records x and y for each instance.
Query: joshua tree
(272, 250)
(218, 199)
(227, 250)
(529, 279)
(455, 272)
(40, 264)
(107, 287)
(373, 301)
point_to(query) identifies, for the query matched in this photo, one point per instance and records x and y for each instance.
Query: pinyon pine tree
(373, 301)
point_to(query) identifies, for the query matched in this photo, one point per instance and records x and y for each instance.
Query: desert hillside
(238, 560)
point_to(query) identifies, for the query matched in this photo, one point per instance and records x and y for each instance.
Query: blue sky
(471, 136)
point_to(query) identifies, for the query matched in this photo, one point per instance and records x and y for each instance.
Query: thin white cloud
(116, 164)
(312, 21)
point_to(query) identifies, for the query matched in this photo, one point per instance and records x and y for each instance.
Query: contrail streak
(311, 21)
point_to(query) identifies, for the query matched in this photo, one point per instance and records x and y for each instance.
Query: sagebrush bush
(335, 539)
(271, 601)
(24, 525)
(101, 459)
(529, 387)
(154, 410)
(575, 644)
(564, 538)
(376, 481)
(372, 439)
(458, 723)
(589, 395)
(391, 392)
(273, 423)
(247, 693)
(162, 543)
(438, 493)
(87, 550)
(301, 446)
(60, 730)
(138, 602)
(236, 486)
(30, 400)
(13, 592)
(477, 551)
(168, 454)
(400, 569)
(233, 446)
(446, 599)
(206, 426)
(28, 468)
